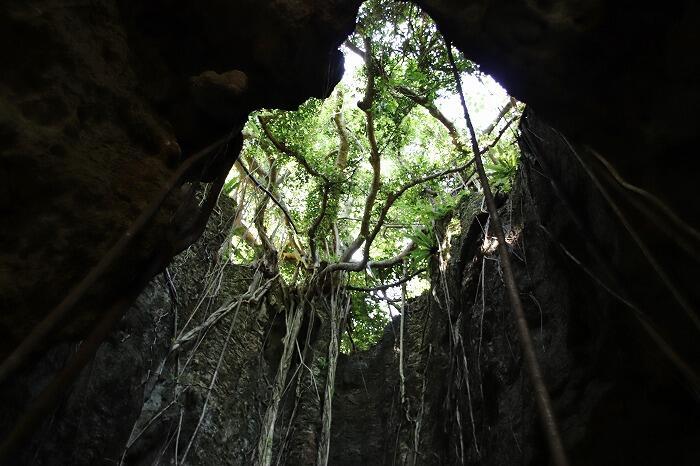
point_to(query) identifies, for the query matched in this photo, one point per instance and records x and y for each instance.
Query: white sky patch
(485, 97)
(353, 62)
(357, 255)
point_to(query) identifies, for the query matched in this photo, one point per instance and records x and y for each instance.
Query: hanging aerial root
(690, 375)
(677, 294)
(211, 385)
(418, 422)
(339, 308)
(266, 439)
(252, 297)
(542, 398)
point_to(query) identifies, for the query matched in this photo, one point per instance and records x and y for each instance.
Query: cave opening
(348, 206)
(418, 131)
(349, 299)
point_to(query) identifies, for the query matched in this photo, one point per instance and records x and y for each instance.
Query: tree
(342, 190)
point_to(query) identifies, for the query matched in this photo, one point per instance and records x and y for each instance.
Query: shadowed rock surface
(104, 99)
(617, 398)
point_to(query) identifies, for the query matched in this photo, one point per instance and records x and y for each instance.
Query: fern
(502, 172)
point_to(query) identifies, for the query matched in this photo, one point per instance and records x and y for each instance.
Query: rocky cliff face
(148, 388)
(618, 398)
(101, 101)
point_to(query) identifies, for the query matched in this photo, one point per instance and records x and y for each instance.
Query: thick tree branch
(260, 210)
(392, 261)
(317, 223)
(355, 49)
(374, 159)
(344, 264)
(341, 161)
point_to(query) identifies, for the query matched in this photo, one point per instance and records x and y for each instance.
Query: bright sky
(485, 96)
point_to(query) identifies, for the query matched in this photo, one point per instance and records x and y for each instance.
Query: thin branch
(504, 111)
(437, 114)
(285, 149)
(270, 195)
(384, 298)
(392, 261)
(393, 197)
(492, 144)
(426, 178)
(407, 278)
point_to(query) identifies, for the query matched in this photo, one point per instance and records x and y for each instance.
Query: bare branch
(317, 223)
(504, 111)
(282, 207)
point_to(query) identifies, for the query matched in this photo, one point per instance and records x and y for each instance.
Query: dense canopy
(354, 184)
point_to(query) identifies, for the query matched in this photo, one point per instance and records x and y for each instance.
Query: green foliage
(230, 185)
(502, 170)
(368, 323)
(408, 53)
(425, 243)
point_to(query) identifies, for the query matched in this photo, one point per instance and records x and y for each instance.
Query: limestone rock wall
(618, 397)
